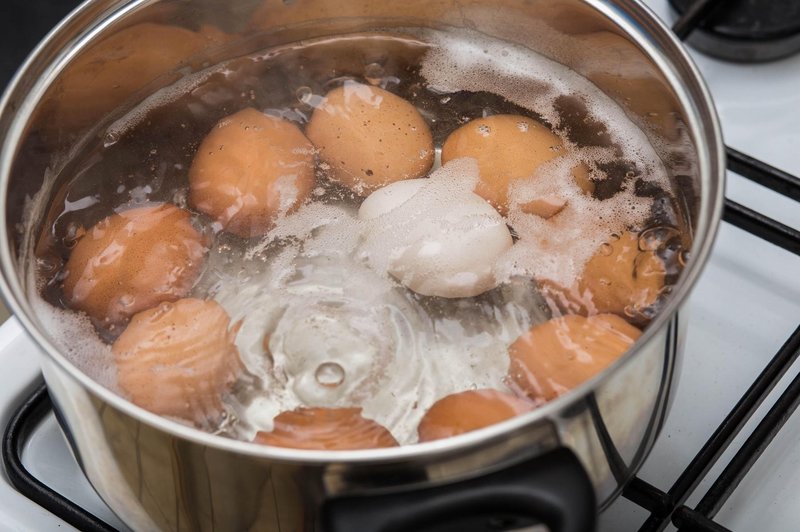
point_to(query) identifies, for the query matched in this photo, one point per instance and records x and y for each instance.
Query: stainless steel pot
(556, 463)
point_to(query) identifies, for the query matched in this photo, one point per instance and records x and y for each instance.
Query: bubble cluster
(558, 248)
(465, 60)
(74, 335)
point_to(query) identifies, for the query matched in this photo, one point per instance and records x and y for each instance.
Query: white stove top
(745, 306)
(743, 309)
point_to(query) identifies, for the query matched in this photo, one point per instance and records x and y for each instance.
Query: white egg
(438, 240)
(389, 197)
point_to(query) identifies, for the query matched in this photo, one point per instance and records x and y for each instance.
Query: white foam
(466, 60)
(558, 248)
(74, 336)
(71, 332)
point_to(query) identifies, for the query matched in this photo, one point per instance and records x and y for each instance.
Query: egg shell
(178, 359)
(331, 429)
(451, 251)
(370, 137)
(622, 279)
(467, 411)
(132, 261)
(508, 148)
(556, 356)
(549, 205)
(250, 169)
(108, 73)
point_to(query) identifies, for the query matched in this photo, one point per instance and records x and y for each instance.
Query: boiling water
(322, 323)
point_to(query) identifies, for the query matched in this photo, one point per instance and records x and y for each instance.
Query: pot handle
(551, 489)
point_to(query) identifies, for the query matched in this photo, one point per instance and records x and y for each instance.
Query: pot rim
(711, 163)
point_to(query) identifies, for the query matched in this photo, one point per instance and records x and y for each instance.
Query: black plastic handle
(552, 489)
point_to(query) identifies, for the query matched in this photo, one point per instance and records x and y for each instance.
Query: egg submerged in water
(438, 238)
(333, 429)
(178, 359)
(250, 169)
(509, 148)
(370, 137)
(622, 277)
(467, 411)
(133, 260)
(556, 356)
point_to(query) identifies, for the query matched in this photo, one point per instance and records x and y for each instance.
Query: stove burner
(748, 31)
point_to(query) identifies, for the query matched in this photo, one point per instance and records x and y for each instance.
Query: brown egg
(132, 261)
(249, 170)
(508, 148)
(622, 279)
(178, 358)
(467, 411)
(369, 137)
(560, 354)
(108, 73)
(333, 429)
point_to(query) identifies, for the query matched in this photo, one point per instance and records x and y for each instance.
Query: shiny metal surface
(157, 474)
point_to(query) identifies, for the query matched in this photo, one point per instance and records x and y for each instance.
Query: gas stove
(744, 308)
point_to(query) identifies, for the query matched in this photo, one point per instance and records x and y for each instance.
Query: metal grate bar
(762, 226)
(776, 233)
(719, 440)
(755, 444)
(26, 418)
(764, 174)
(647, 496)
(692, 521)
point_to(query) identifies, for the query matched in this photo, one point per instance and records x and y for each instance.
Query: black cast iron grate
(665, 507)
(668, 507)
